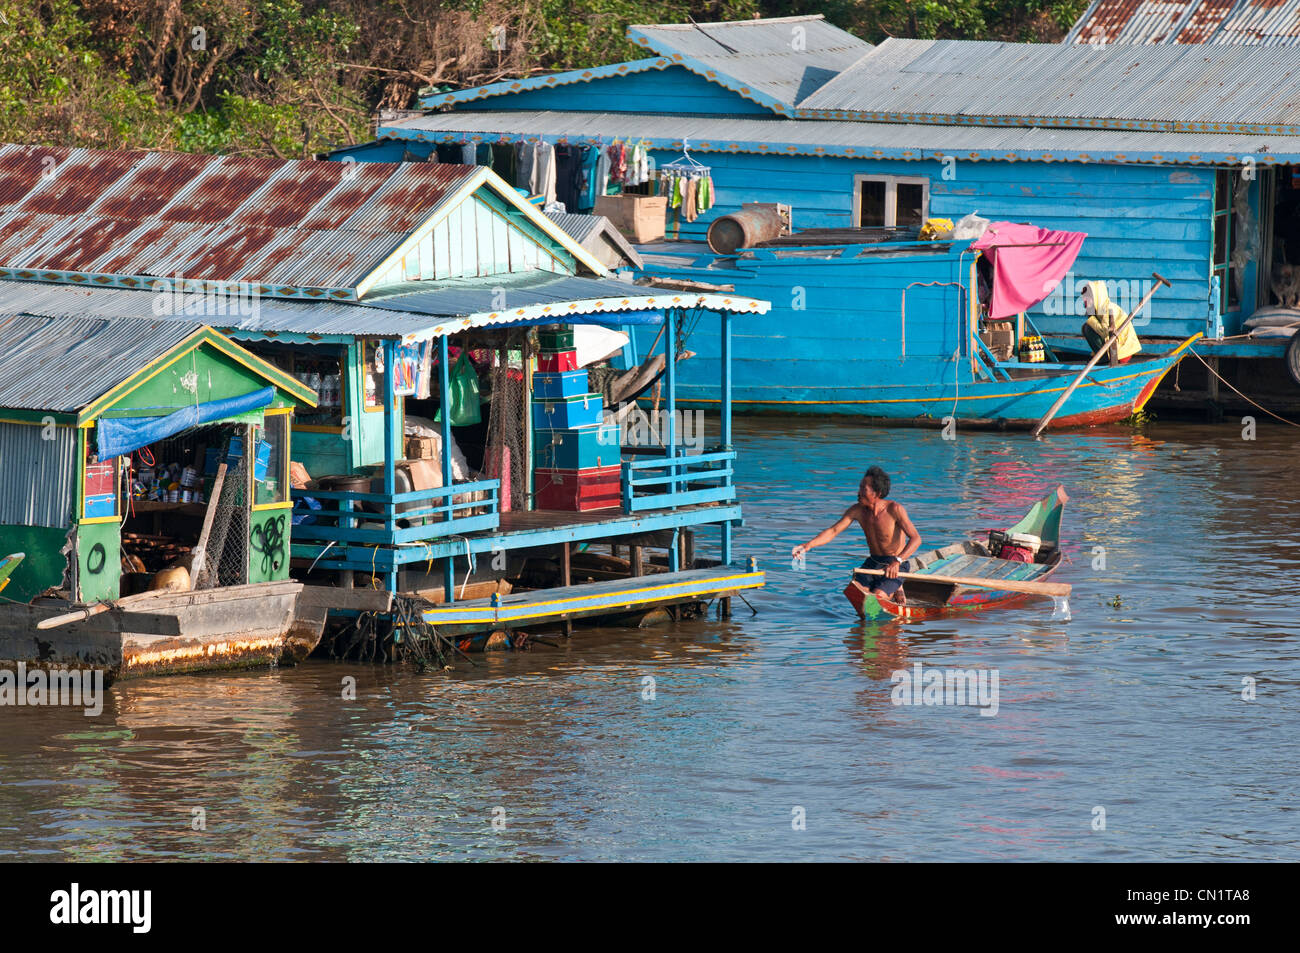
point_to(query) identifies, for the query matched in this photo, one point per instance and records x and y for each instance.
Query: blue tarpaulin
(121, 435)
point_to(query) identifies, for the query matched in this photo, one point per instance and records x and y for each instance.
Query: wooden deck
(609, 598)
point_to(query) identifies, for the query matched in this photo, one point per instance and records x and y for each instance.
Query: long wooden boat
(230, 627)
(888, 332)
(970, 559)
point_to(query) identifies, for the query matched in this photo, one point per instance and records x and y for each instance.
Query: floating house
(398, 308)
(1142, 150)
(80, 399)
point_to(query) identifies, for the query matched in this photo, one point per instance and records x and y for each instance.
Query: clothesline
(576, 174)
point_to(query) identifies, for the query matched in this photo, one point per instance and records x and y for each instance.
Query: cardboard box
(421, 448)
(639, 217)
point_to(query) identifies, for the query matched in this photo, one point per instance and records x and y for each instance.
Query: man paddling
(886, 525)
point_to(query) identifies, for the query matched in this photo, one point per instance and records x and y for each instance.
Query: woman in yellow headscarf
(1104, 316)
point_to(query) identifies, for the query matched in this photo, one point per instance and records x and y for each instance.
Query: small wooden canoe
(928, 600)
(7, 565)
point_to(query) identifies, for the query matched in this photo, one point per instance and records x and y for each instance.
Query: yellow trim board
(596, 600)
(99, 519)
(259, 507)
(205, 335)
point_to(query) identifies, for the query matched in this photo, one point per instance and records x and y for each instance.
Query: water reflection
(697, 741)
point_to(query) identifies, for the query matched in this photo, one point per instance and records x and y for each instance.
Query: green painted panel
(99, 561)
(44, 565)
(215, 376)
(268, 546)
(323, 454)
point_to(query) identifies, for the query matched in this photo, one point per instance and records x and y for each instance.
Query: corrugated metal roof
(1262, 23)
(64, 363)
(413, 311)
(859, 139)
(783, 60)
(1129, 21)
(1202, 21)
(1191, 88)
(1228, 22)
(589, 230)
(213, 218)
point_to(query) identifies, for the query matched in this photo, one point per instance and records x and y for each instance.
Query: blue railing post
(725, 424)
(390, 450)
(444, 392)
(670, 409)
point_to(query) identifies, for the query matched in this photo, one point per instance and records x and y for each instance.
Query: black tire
(1293, 357)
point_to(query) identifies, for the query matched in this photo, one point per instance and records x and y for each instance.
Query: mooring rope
(1290, 423)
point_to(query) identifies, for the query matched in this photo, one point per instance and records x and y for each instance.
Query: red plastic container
(554, 362)
(99, 478)
(595, 488)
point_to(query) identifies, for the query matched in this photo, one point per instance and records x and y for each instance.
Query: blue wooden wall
(674, 90)
(1139, 219)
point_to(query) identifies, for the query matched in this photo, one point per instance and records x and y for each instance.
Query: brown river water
(773, 736)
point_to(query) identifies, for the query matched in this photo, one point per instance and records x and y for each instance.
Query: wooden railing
(661, 483)
(342, 511)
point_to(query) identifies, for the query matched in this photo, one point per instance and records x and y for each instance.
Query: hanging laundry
(483, 154)
(568, 176)
(544, 171)
(525, 169)
(467, 152)
(590, 163)
(600, 176)
(704, 194)
(505, 161)
(688, 200)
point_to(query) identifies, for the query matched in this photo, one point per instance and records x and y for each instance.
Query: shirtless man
(885, 524)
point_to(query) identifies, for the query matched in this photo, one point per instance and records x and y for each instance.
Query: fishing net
(225, 559)
(507, 429)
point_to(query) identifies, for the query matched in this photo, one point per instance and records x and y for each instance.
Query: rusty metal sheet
(221, 218)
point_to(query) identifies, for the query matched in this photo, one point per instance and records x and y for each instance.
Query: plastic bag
(970, 227)
(464, 397)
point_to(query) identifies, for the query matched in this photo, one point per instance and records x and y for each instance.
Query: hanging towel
(601, 175)
(467, 153)
(544, 171)
(688, 202)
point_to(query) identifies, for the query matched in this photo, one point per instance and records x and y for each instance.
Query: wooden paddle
(1007, 585)
(79, 615)
(1114, 336)
(199, 564)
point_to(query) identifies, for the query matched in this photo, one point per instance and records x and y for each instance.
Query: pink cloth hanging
(1028, 263)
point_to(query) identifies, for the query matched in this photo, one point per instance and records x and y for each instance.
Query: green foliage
(293, 77)
(874, 20)
(592, 32)
(55, 87)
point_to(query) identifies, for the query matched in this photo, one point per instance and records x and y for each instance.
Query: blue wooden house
(1178, 160)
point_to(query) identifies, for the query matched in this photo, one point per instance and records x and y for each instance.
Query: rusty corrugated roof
(1216, 22)
(211, 218)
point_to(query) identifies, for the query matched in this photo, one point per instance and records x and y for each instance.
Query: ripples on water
(1134, 705)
